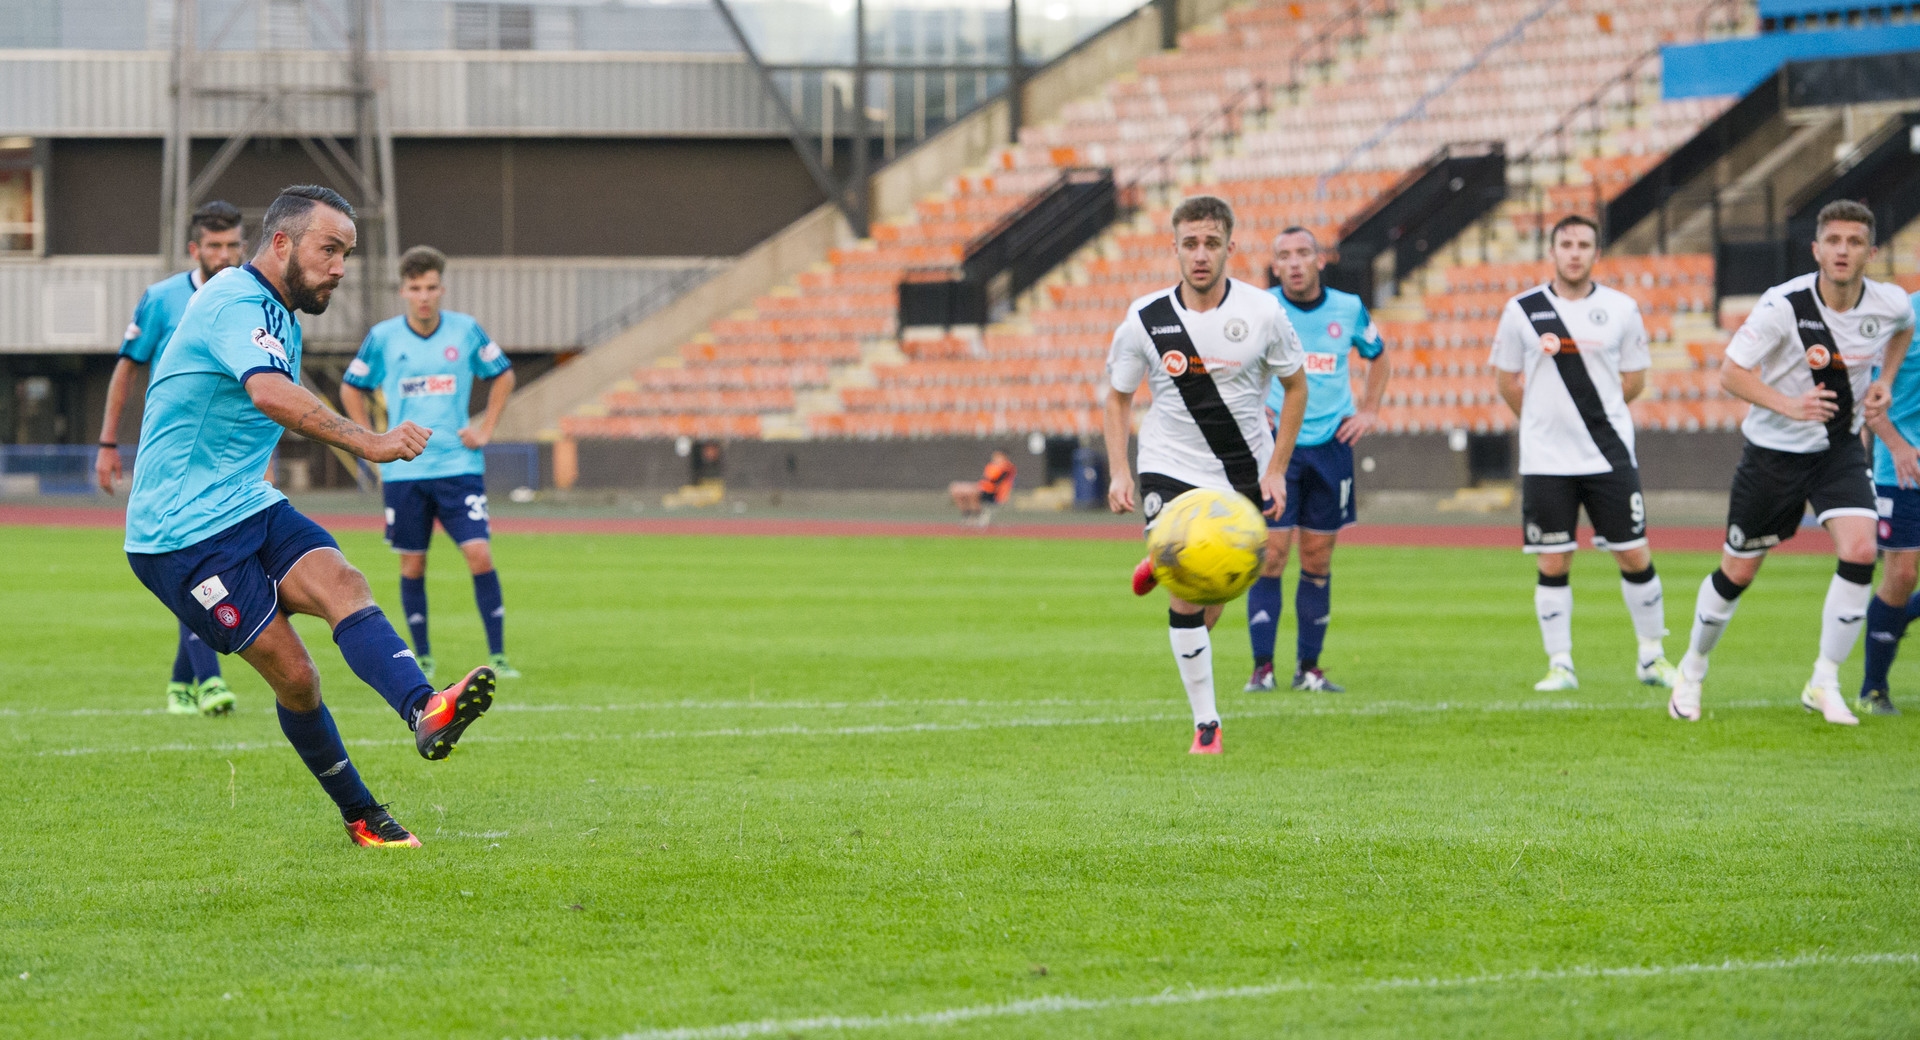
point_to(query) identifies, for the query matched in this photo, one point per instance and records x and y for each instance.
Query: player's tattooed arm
(294, 407)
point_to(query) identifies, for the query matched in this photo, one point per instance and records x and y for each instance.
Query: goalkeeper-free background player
(224, 550)
(424, 363)
(1207, 348)
(215, 242)
(1320, 490)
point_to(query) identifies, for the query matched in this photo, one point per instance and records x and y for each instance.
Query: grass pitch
(907, 788)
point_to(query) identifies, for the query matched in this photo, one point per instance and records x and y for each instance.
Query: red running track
(1466, 536)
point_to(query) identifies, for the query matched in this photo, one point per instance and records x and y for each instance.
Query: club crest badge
(1235, 329)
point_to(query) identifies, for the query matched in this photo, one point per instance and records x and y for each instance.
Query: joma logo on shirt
(1542, 315)
(428, 386)
(1165, 330)
(1817, 326)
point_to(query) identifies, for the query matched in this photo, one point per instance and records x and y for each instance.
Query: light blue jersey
(1904, 410)
(428, 380)
(157, 315)
(1328, 328)
(204, 447)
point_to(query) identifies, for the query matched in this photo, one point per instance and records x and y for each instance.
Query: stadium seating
(1313, 81)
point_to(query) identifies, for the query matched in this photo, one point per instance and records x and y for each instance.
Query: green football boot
(182, 699)
(501, 669)
(214, 698)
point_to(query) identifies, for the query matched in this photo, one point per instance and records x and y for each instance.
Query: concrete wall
(1418, 462)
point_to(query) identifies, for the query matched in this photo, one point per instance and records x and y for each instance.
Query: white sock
(1647, 606)
(1711, 613)
(1840, 620)
(1193, 654)
(1553, 605)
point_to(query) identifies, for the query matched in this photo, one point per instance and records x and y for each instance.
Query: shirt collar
(1180, 301)
(262, 279)
(1309, 307)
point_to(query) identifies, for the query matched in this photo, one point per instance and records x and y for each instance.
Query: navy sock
(317, 740)
(375, 653)
(413, 600)
(1885, 625)
(1263, 618)
(182, 661)
(205, 663)
(493, 610)
(1312, 608)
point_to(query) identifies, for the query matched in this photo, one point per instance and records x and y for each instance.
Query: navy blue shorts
(1319, 488)
(460, 503)
(1899, 510)
(225, 589)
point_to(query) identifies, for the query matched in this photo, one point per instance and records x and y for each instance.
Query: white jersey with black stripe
(1244, 343)
(1769, 342)
(1610, 339)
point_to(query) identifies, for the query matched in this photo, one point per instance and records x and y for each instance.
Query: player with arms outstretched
(1804, 360)
(215, 243)
(1320, 492)
(425, 362)
(1582, 350)
(1208, 348)
(226, 552)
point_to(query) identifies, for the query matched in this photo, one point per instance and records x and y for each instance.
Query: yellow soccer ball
(1207, 546)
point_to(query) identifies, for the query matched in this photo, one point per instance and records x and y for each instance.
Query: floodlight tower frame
(276, 111)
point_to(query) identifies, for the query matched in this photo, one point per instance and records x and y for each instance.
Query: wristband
(110, 444)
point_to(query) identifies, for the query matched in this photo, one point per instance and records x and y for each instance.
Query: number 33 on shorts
(476, 507)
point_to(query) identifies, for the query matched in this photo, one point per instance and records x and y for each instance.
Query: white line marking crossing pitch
(1173, 998)
(1375, 709)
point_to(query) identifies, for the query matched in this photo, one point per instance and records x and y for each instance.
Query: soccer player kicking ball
(1804, 359)
(425, 362)
(1896, 476)
(1208, 347)
(1320, 476)
(214, 244)
(225, 551)
(1583, 351)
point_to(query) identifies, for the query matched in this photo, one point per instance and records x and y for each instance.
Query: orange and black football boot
(376, 828)
(1206, 739)
(447, 714)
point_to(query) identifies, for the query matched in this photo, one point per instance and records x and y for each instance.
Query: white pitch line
(679, 705)
(1171, 998)
(1376, 709)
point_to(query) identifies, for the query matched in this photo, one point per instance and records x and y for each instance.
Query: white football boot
(1685, 702)
(1827, 701)
(1559, 678)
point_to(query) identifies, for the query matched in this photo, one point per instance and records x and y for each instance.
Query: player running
(1320, 496)
(214, 243)
(1896, 476)
(1582, 350)
(225, 551)
(425, 362)
(1208, 347)
(1804, 360)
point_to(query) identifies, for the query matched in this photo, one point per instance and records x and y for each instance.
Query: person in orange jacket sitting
(976, 499)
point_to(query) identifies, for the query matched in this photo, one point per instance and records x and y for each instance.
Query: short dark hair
(213, 215)
(1574, 220)
(293, 204)
(1205, 207)
(1297, 230)
(1847, 210)
(422, 260)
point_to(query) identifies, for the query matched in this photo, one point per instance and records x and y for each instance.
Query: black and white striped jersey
(1793, 340)
(1209, 373)
(1573, 417)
